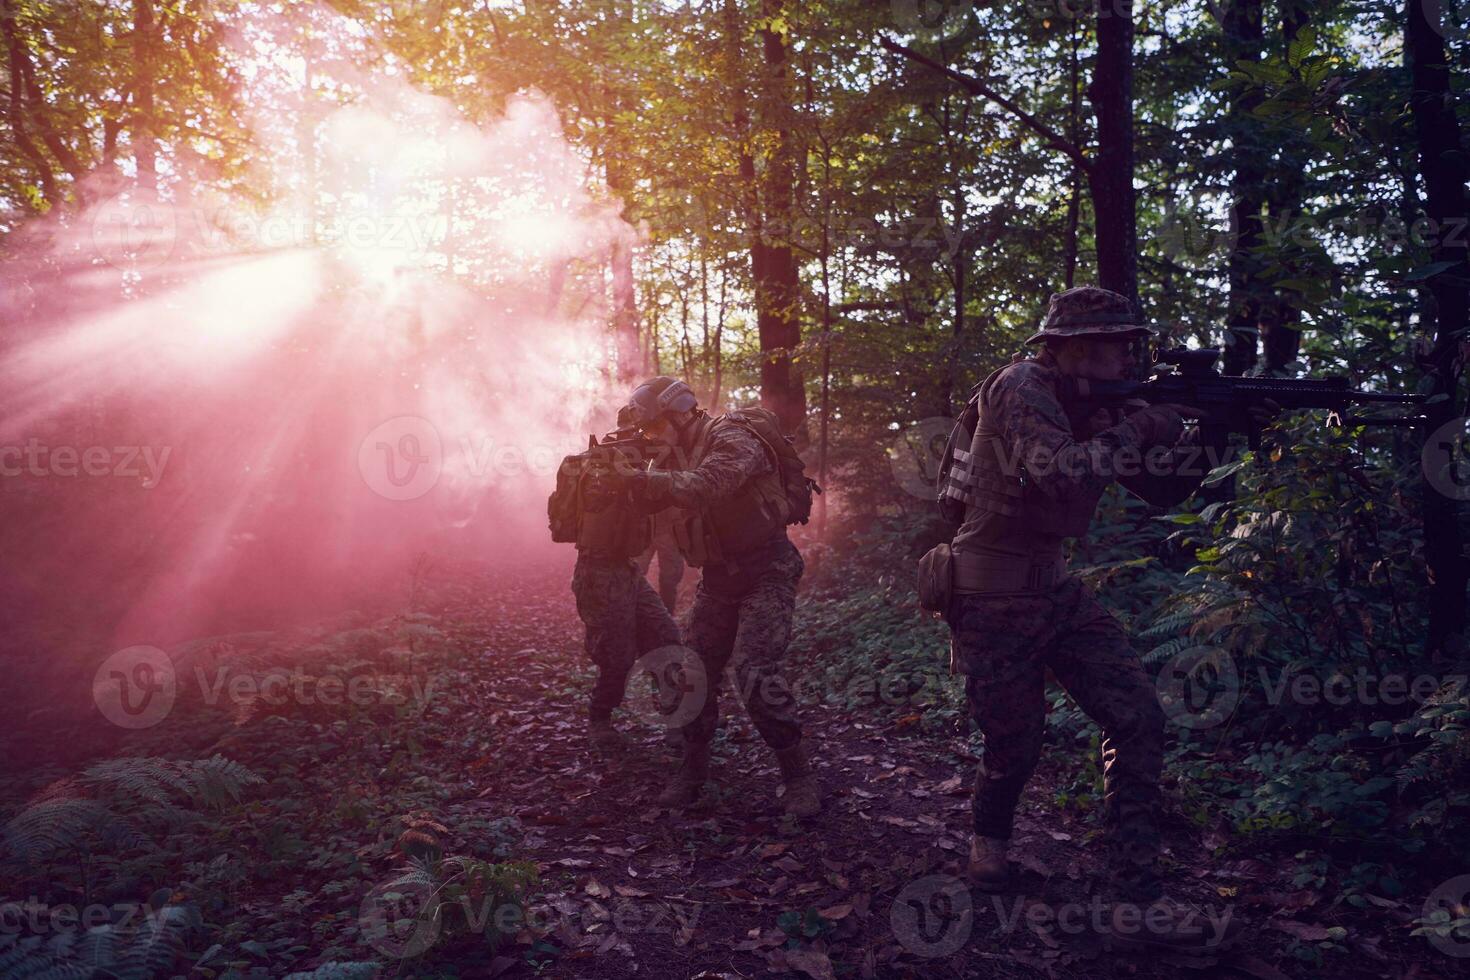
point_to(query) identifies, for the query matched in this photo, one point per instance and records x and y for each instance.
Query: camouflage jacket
(732, 458)
(725, 520)
(1038, 472)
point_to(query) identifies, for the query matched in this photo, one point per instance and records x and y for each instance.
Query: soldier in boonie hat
(1090, 311)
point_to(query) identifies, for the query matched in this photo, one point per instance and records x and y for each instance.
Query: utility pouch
(936, 579)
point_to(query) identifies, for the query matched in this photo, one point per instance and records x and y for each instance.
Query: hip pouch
(936, 579)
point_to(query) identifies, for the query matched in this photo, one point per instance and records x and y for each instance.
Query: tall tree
(773, 261)
(1111, 173)
(1244, 35)
(1443, 173)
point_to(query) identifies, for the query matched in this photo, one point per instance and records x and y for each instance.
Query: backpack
(953, 485)
(788, 495)
(564, 506)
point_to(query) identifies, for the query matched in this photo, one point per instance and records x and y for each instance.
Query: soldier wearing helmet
(623, 617)
(741, 619)
(1032, 476)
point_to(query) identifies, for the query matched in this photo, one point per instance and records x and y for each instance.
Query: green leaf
(1428, 271)
(1221, 472)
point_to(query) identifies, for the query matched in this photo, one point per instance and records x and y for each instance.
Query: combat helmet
(1084, 311)
(661, 396)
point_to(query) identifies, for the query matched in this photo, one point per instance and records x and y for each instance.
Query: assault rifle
(619, 453)
(1227, 400)
(590, 483)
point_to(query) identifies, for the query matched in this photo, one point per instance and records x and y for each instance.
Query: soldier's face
(1104, 358)
(660, 430)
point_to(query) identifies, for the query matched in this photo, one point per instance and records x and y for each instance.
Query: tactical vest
(615, 531)
(735, 527)
(986, 477)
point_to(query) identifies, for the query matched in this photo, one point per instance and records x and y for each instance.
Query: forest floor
(487, 759)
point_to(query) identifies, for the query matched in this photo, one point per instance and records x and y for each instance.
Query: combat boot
(988, 870)
(1167, 925)
(803, 794)
(689, 781)
(604, 737)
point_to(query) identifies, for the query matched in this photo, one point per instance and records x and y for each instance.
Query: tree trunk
(144, 131)
(1281, 336)
(1244, 36)
(773, 263)
(633, 361)
(16, 55)
(1074, 136)
(1440, 160)
(1111, 176)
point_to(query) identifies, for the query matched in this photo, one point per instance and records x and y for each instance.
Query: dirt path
(870, 888)
(495, 765)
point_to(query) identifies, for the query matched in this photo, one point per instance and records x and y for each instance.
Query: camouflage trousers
(741, 620)
(1003, 644)
(670, 565)
(624, 619)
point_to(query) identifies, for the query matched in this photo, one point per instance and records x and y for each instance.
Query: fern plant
(117, 801)
(140, 953)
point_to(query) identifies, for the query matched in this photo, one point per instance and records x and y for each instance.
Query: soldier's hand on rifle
(1265, 413)
(1162, 424)
(651, 488)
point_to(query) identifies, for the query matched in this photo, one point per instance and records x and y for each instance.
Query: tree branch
(974, 86)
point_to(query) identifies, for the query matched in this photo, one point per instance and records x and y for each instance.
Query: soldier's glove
(653, 489)
(1158, 425)
(1265, 413)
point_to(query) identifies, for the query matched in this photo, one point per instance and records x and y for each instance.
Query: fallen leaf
(1257, 967)
(811, 962)
(836, 913)
(1307, 931)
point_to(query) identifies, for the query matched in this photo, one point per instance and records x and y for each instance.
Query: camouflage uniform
(743, 607)
(670, 563)
(624, 619)
(1036, 477)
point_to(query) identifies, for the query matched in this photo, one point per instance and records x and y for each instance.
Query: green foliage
(142, 952)
(127, 798)
(875, 652)
(339, 971)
